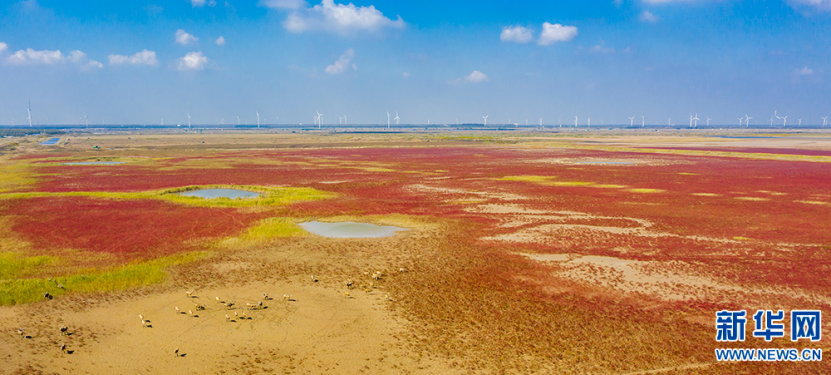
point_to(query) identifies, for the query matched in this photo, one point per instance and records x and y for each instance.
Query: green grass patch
(264, 231)
(269, 196)
(14, 265)
(16, 291)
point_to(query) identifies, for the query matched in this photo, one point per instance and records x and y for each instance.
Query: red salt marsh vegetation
(539, 263)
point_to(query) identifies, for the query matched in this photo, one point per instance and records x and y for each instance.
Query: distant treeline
(19, 132)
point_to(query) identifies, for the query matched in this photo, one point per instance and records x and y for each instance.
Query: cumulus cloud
(144, 57)
(803, 72)
(32, 57)
(184, 38)
(342, 64)
(3, 47)
(46, 57)
(338, 18)
(476, 76)
(220, 41)
(283, 4)
(193, 61)
(556, 33)
(647, 16)
(517, 34)
(83, 60)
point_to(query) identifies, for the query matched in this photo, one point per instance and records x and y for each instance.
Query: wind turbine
(540, 121)
(340, 120)
(740, 121)
(784, 120)
(824, 121)
(258, 120)
(632, 121)
(188, 120)
(643, 121)
(345, 121)
(575, 121)
(690, 120)
(396, 118)
(800, 121)
(86, 120)
(30, 113)
(747, 120)
(388, 120)
(590, 122)
(319, 119)
(708, 121)
(162, 121)
(237, 120)
(696, 120)
(486, 119)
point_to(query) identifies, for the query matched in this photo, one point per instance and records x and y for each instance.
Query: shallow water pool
(220, 193)
(51, 141)
(349, 229)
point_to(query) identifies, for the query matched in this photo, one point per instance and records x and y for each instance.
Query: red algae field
(523, 254)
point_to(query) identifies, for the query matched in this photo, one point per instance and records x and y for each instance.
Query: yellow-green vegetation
(264, 231)
(547, 180)
(14, 265)
(269, 196)
(752, 199)
(705, 195)
(644, 190)
(743, 155)
(15, 291)
(818, 203)
(688, 174)
(14, 176)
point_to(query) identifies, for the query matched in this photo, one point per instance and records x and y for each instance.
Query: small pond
(349, 229)
(51, 141)
(220, 193)
(95, 163)
(605, 162)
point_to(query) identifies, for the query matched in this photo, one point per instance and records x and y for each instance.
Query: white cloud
(803, 72)
(339, 18)
(283, 4)
(140, 58)
(647, 16)
(342, 64)
(220, 41)
(201, 3)
(46, 57)
(193, 61)
(406, 74)
(601, 49)
(83, 60)
(516, 34)
(556, 33)
(3, 47)
(476, 76)
(184, 38)
(823, 5)
(32, 57)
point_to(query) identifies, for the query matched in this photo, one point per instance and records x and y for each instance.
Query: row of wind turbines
(343, 120)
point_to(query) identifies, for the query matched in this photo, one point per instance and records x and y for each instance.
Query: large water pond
(51, 141)
(94, 163)
(349, 229)
(220, 193)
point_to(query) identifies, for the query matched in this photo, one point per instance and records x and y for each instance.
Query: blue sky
(136, 62)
